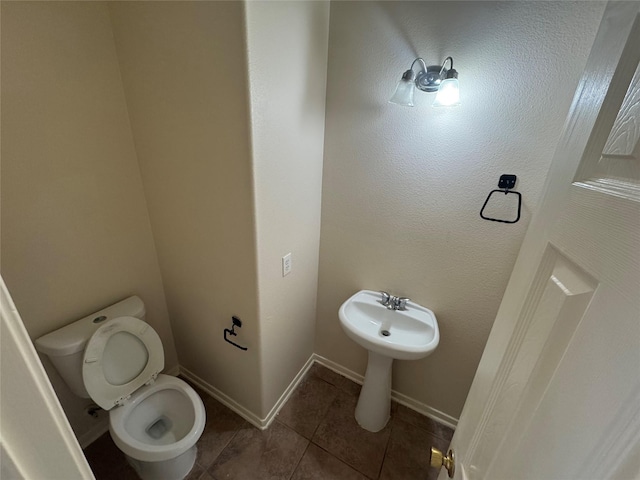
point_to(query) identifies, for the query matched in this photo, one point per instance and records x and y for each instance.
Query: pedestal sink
(387, 334)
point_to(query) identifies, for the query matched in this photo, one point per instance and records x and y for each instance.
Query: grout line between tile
(300, 435)
(430, 432)
(386, 448)
(326, 412)
(299, 460)
(206, 467)
(352, 467)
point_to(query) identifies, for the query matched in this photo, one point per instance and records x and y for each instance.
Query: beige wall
(184, 72)
(403, 187)
(75, 232)
(191, 134)
(287, 44)
(228, 125)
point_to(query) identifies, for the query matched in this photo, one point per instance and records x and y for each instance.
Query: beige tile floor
(314, 437)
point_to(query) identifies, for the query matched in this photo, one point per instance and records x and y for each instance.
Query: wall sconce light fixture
(434, 78)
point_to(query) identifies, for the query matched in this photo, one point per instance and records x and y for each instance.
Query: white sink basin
(402, 334)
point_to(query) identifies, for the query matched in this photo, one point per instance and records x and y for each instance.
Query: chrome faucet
(392, 302)
(401, 303)
(386, 299)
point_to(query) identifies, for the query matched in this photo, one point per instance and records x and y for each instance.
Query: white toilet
(115, 358)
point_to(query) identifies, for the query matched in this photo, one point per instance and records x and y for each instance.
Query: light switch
(286, 264)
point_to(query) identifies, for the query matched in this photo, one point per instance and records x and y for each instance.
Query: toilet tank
(65, 346)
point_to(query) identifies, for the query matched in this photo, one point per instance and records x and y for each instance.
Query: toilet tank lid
(73, 338)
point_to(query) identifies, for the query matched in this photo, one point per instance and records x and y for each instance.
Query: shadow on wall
(313, 106)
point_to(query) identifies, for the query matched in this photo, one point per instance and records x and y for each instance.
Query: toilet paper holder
(236, 322)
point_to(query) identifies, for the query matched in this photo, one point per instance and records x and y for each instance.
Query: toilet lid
(121, 356)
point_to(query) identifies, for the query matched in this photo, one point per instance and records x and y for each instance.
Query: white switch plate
(286, 265)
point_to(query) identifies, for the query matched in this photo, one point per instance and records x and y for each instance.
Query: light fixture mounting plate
(429, 80)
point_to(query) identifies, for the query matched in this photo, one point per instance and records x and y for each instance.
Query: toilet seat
(121, 356)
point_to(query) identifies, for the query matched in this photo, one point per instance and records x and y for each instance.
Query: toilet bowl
(158, 428)
(115, 358)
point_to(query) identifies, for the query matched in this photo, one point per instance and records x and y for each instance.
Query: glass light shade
(404, 93)
(448, 93)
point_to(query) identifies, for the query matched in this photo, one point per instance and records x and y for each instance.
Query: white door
(557, 392)
(36, 440)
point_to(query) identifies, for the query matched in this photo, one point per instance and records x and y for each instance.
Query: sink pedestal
(408, 333)
(374, 405)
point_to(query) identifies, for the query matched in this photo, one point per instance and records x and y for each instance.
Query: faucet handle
(402, 303)
(386, 298)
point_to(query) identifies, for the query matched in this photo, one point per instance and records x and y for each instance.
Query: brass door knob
(438, 460)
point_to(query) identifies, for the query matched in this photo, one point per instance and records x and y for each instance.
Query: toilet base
(374, 404)
(173, 469)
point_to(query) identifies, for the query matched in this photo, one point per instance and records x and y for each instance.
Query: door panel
(615, 167)
(556, 304)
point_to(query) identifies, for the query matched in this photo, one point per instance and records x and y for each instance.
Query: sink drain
(385, 333)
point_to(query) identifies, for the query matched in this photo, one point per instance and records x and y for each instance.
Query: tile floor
(314, 437)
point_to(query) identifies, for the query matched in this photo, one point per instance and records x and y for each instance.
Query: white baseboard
(339, 369)
(248, 415)
(90, 436)
(263, 423)
(223, 398)
(424, 409)
(287, 393)
(401, 398)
